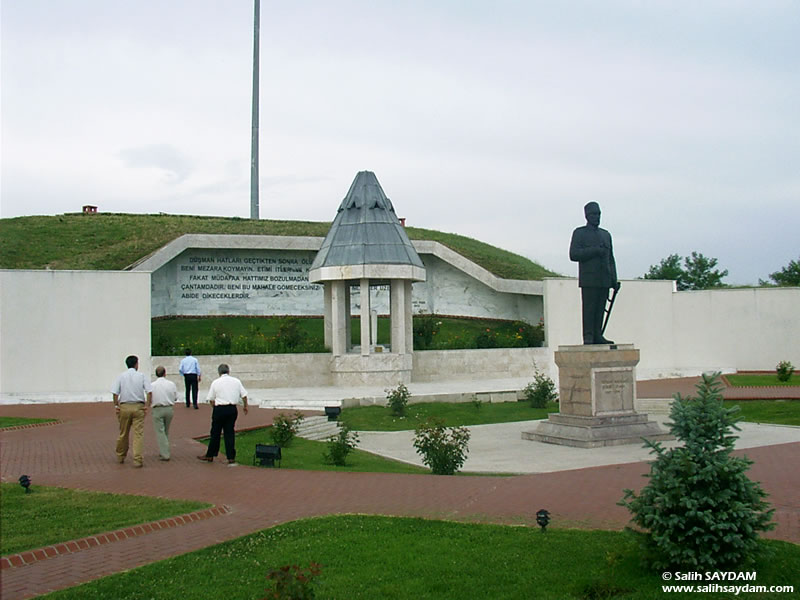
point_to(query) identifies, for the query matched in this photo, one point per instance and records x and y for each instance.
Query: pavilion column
(402, 328)
(340, 315)
(365, 318)
(328, 314)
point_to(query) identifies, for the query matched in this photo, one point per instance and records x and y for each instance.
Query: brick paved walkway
(78, 453)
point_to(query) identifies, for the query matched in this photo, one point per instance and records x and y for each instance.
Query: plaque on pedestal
(597, 389)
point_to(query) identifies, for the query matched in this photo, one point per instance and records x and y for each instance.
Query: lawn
(267, 335)
(15, 421)
(308, 455)
(364, 557)
(115, 241)
(49, 515)
(379, 418)
(777, 412)
(759, 379)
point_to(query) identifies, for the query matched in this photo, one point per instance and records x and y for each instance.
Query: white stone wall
(260, 281)
(686, 333)
(476, 365)
(65, 334)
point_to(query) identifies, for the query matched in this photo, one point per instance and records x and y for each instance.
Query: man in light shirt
(190, 369)
(132, 394)
(224, 395)
(164, 396)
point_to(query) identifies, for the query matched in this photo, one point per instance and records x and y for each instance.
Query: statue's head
(592, 213)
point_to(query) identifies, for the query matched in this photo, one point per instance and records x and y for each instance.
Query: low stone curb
(30, 425)
(31, 556)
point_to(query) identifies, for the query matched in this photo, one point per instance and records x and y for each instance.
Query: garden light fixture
(542, 518)
(267, 454)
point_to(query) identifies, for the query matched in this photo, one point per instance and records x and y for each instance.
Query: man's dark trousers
(223, 419)
(594, 305)
(190, 381)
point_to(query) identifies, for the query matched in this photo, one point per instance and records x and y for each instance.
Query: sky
(497, 119)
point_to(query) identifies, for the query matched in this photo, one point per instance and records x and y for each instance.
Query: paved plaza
(579, 486)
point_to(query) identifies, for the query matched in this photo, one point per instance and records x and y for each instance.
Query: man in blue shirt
(190, 369)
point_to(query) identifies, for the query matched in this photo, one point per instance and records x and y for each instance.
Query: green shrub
(540, 391)
(284, 428)
(443, 449)
(222, 341)
(699, 509)
(486, 339)
(340, 445)
(425, 327)
(397, 400)
(292, 582)
(784, 370)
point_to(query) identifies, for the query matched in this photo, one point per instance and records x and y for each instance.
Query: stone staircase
(317, 428)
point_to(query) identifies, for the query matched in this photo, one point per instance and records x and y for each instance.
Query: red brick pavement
(79, 453)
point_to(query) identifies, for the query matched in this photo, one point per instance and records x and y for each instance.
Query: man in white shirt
(164, 396)
(224, 395)
(132, 395)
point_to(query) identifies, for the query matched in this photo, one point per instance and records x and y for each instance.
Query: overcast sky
(495, 119)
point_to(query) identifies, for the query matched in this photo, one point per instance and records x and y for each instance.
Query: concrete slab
(501, 449)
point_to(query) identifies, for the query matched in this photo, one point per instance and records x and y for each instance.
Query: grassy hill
(114, 241)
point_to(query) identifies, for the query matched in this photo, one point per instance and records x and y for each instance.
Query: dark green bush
(443, 449)
(486, 339)
(425, 327)
(397, 400)
(340, 445)
(540, 391)
(222, 341)
(700, 511)
(284, 428)
(292, 582)
(784, 370)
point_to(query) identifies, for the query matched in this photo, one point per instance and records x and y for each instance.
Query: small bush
(284, 428)
(340, 445)
(222, 341)
(784, 370)
(700, 510)
(486, 339)
(425, 327)
(443, 449)
(397, 400)
(540, 391)
(292, 582)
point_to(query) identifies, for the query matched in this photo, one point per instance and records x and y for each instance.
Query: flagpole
(254, 209)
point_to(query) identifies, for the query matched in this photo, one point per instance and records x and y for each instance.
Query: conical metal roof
(365, 233)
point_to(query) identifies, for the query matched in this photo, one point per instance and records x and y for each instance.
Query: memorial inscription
(226, 277)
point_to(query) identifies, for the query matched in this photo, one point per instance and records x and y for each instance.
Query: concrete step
(317, 428)
(656, 406)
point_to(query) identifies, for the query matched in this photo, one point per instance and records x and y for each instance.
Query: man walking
(224, 395)
(190, 369)
(132, 394)
(165, 393)
(597, 272)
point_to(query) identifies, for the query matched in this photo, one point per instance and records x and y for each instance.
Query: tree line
(698, 272)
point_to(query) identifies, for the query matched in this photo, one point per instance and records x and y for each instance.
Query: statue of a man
(597, 272)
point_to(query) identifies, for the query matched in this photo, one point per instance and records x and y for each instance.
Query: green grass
(777, 412)
(379, 418)
(307, 455)
(48, 515)
(14, 421)
(257, 335)
(115, 241)
(759, 380)
(404, 558)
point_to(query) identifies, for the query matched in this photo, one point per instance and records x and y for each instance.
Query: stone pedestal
(596, 394)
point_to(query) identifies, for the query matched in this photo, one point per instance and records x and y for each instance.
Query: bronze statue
(597, 272)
